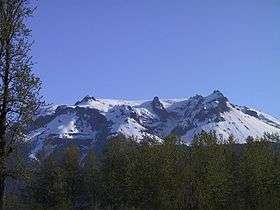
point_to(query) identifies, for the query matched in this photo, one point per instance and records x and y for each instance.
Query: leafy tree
(19, 87)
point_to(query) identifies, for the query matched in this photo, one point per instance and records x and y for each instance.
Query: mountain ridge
(93, 121)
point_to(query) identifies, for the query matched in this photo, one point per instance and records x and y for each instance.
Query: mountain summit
(93, 121)
(85, 100)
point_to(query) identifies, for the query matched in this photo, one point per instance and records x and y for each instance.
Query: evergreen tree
(144, 175)
(91, 179)
(212, 176)
(260, 175)
(232, 167)
(113, 174)
(46, 188)
(72, 176)
(168, 176)
(172, 173)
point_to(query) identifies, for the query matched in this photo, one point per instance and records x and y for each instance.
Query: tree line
(159, 176)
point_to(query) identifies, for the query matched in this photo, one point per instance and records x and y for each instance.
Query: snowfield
(95, 120)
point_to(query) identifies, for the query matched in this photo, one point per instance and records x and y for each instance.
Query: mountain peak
(86, 99)
(159, 108)
(216, 96)
(95, 121)
(156, 103)
(156, 99)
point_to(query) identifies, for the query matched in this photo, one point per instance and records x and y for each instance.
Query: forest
(211, 173)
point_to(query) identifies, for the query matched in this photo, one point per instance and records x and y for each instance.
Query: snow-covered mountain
(92, 121)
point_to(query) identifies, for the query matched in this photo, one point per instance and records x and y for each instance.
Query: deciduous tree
(19, 87)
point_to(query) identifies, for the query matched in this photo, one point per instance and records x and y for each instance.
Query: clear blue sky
(135, 49)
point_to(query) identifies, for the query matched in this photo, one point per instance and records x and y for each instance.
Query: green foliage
(90, 179)
(57, 184)
(165, 176)
(212, 172)
(47, 187)
(72, 176)
(260, 175)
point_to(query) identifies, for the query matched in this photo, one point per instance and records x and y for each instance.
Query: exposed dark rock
(86, 99)
(250, 112)
(92, 117)
(64, 110)
(96, 126)
(41, 121)
(159, 109)
(210, 107)
(217, 95)
(127, 111)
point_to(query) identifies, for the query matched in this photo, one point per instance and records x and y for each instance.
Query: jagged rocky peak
(96, 120)
(209, 108)
(196, 97)
(85, 100)
(156, 104)
(216, 96)
(88, 98)
(159, 109)
(220, 101)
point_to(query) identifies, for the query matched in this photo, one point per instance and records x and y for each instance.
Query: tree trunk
(2, 172)
(3, 118)
(2, 161)
(2, 187)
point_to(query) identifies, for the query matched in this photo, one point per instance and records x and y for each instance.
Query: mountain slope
(92, 121)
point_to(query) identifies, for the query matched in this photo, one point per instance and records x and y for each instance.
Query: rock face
(91, 121)
(85, 100)
(159, 109)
